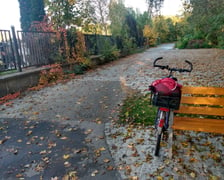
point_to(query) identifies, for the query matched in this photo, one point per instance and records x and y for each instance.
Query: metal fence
(21, 49)
(37, 48)
(24, 49)
(7, 56)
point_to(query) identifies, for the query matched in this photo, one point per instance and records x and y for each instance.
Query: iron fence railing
(37, 48)
(7, 57)
(24, 49)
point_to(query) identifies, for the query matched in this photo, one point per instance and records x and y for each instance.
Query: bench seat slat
(197, 124)
(203, 90)
(202, 100)
(201, 110)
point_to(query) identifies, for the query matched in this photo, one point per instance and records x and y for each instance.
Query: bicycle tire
(159, 129)
(158, 140)
(158, 133)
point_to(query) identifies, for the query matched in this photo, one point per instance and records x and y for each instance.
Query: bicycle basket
(164, 96)
(172, 101)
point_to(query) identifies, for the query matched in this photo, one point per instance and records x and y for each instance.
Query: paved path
(59, 131)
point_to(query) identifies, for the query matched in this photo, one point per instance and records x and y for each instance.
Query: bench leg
(170, 137)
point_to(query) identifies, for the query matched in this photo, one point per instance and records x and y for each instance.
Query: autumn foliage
(5, 99)
(52, 75)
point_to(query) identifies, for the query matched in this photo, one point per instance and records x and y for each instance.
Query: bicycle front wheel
(160, 120)
(158, 140)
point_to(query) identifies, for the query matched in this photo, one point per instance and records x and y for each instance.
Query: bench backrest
(202, 101)
(201, 109)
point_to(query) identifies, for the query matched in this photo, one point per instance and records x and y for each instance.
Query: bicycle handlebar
(173, 69)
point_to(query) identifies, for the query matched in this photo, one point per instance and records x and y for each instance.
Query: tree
(205, 21)
(150, 35)
(124, 26)
(65, 14)
(154, 7)
(117, 14)
(142, 20)
(161, 27)
(172, 30)
(131, 22)
(30, 11)
(101, 12)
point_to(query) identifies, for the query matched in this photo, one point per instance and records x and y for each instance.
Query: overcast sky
(9, 10)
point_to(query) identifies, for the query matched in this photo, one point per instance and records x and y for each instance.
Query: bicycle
(166, 95)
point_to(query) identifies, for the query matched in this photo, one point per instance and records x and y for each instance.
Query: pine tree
(30, 11)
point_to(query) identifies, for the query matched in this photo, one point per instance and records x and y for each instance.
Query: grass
(136, 109)
(8, 72)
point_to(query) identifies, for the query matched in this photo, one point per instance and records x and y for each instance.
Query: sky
(170, 7)
(10, 15)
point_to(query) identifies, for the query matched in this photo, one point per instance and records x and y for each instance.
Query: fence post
(18, 59)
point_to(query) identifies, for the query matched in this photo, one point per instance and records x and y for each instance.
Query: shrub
(52, 75)
(80, 68)
(111, 54)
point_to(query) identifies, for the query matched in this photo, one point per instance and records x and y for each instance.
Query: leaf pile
(9, 97)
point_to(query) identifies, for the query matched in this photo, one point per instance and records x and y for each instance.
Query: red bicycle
(166, 95)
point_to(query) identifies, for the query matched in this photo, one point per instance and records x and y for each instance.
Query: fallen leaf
(94, 173)
(101, 137)
(88, 140)
(43, 152)
(110, 168)
(19, 176)
(66, 156)
(135, 154)
(15, 152)
(46, 160)
(29, 133)
(19, 140)
(3, 141)
(28, 142)
(78, 151)
(106, 160)
(159, 178)
(134, 178)
(192, 174)
(51, 144)
(193, 160)
(88, 131)
(67, 164)
(102, 149)
(55, 178)
(140, 141)
(64, 138)
(27, 166)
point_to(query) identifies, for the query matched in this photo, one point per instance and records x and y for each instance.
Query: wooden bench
(201, 109)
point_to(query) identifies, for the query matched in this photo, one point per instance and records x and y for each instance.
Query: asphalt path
(58, 132)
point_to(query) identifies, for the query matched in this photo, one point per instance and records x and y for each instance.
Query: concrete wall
(18, 81)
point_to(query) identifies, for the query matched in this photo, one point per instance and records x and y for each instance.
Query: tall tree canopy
(206, 20)
(69, 13)
(30, 11)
